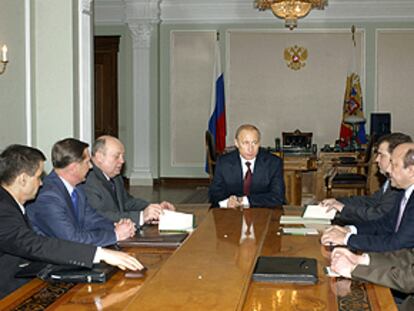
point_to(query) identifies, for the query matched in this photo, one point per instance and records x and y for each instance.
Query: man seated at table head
(391, 269)
(395, 229)
(104, 186)
(248, 176)
(21, 168)
(357, 209)
(61, 209)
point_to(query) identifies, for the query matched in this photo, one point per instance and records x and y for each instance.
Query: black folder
(167, 240)
(99, 273)
(286, 270)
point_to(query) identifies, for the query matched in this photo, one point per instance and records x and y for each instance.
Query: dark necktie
(247, 180)
(74, 198)
(112, 184)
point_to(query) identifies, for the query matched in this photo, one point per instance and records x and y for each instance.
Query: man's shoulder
(229, 157)
(268, 156)
(50, 183)
(92, 177)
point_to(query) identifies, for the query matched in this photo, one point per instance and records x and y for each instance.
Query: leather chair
(211, 155)
(350, 173)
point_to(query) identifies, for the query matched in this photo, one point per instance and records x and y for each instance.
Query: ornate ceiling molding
(120, 12)
(86, 6)
(141, 34)
(241, 11)
(142, 11)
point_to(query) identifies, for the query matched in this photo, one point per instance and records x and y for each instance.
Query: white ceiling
(229, 11)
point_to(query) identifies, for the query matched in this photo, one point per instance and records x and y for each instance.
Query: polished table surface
(212, 271)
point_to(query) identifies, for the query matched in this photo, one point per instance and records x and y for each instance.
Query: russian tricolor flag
(217, 121)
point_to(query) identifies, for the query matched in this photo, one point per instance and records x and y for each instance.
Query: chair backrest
(297, 139)
(374, 177)
(210, 147)
(370, 151)
(211, 154)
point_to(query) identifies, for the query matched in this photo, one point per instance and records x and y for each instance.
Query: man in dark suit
(390, 269)
(104, 186)
(61, 209)
(395, 229)
(357, 209)
(249, 176)
(20, 171)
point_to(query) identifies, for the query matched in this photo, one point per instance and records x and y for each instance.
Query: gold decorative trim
(45, 297)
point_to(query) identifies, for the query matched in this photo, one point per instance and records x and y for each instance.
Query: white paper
(300, 231)
(300, 220)
(319, 212)
(175, 221)
(331, 273)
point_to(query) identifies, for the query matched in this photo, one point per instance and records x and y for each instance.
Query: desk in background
(211, 271)
(293, 169)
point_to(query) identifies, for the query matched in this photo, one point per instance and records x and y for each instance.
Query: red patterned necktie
(247, 180)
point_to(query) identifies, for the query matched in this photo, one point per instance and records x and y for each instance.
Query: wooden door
(106, 85)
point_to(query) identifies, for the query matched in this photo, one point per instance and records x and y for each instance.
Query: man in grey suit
(358, 209)
(104, 186)
(390, 269)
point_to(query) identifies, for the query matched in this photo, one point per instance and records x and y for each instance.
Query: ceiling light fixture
(290, 10)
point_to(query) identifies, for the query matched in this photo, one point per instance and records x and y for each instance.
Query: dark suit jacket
(112, 205)
(52, 214)
(267, 188)
(18, 244)
(379, 235)
(392, 269)
(359, 209)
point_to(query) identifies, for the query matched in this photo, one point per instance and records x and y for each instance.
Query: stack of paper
(299, 231)
(301, 220)
(176, 221)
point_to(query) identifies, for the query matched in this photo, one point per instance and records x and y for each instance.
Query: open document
(313, 214)
(319, 212)
(176, 221)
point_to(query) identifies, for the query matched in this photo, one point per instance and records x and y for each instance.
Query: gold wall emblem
(295, 57)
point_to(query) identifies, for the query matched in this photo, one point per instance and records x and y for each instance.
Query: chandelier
(290, 10)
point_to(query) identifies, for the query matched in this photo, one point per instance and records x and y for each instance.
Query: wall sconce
(3, 60)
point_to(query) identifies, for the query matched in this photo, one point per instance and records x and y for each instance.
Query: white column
(85, 72)
(140, 17)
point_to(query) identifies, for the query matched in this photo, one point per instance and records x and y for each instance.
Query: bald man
(395, 229)
(104, 186)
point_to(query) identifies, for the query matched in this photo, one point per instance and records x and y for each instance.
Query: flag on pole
(217, 121)
(353, 106)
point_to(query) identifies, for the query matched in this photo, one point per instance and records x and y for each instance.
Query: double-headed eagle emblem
(295, 57)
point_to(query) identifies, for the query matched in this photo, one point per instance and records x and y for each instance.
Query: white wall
(264, 91)
(12, 82)
(395, 76)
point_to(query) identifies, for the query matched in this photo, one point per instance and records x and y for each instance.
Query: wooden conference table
(210, 271)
